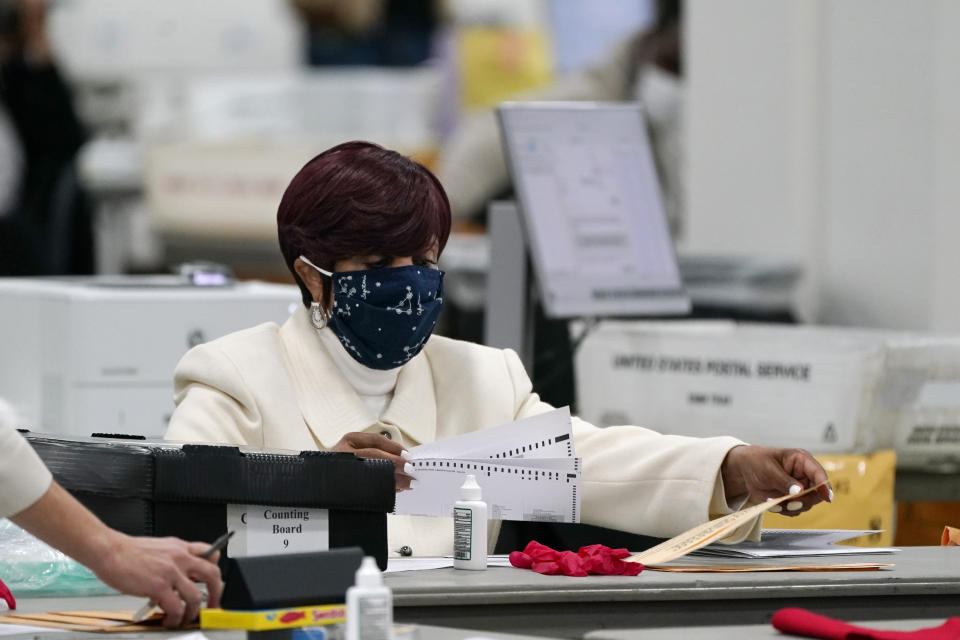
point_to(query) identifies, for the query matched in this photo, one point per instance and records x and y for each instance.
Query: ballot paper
(795, 543)
(11, 629)
(527, 470)
(99, 621)
(713, 531)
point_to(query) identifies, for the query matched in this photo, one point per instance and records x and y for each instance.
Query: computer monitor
(591, 209)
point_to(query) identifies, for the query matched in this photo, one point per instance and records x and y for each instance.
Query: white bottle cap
(368, 575)
(470, 490)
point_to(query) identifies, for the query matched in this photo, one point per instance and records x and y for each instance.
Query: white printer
(96, 354)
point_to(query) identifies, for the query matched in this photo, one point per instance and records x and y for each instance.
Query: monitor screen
(591, 208)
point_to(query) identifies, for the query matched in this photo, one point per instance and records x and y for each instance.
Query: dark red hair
(357, 199)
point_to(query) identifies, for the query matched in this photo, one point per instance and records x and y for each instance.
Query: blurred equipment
(591, 207)
(595, 228)
(742, 288)
(97, 354)
(107, 40)
(223, 149)
(600, 242)
(127, 62)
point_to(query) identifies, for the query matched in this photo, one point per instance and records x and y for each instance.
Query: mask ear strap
(329, 274)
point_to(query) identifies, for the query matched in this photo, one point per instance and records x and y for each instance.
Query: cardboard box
(769, 385)
(826, 389)
(188, 491)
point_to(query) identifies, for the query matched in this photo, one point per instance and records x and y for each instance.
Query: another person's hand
(374, 445)
(164, 570)
(769, 472)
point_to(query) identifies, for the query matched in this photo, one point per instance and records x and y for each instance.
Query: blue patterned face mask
(383, 317)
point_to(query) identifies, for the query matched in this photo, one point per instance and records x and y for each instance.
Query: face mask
(382, 317)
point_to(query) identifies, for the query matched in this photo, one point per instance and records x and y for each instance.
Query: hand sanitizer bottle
(470, 527)
(369, 605)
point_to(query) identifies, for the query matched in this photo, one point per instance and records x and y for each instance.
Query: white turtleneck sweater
(374, 386)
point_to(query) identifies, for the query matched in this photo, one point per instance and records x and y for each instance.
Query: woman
(356, 369)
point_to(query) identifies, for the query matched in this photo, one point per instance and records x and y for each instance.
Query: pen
(215, 546)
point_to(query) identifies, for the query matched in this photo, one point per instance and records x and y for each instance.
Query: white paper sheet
(418, 564)
(15, 629)
(527, 471)
(511, 491)
(395, 565)
(795, 543)
(547, 435)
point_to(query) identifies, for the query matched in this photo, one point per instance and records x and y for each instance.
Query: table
(741, 632)
(119, 602)
(924, 584)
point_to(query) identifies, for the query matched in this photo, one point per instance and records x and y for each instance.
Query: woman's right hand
(163, 569)
(374, 445)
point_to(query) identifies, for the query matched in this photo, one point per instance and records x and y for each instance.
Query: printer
(84, 355)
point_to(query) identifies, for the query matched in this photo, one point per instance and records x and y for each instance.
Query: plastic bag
(31, 568)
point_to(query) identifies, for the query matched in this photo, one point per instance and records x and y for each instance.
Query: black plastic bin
(166, 489)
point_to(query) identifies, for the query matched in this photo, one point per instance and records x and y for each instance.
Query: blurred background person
(386, 33)
(647, 67)
(45, 218)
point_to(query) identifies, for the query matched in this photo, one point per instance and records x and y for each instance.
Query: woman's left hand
(770, 472)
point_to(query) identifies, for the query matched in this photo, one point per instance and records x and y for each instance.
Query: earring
(318, 315)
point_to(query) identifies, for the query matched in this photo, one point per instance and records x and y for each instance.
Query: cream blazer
(277, 387)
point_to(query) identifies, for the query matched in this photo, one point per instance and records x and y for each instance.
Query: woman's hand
(374, 445)
(769, 472)
(164, 570)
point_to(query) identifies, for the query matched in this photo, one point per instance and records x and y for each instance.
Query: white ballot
(527, 470)
(546, 435)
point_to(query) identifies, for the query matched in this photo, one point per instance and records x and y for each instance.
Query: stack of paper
(795, 543)
(527, 470)
(99, 621)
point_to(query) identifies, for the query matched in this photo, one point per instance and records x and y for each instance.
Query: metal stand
(509, 312)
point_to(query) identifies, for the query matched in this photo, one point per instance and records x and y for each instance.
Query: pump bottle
(470, 527)
(369, 605)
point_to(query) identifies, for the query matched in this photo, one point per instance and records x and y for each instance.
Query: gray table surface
(741, 632)
(119, 602)
(925, 583)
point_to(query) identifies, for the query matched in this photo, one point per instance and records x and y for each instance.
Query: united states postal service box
(276, 502)
(766, 384)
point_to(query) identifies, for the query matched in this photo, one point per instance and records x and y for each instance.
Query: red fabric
(801, 622)
(7, 596)
(596, 559)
